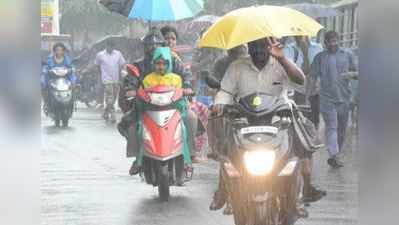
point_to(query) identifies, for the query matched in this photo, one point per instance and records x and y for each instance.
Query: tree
(88, 16)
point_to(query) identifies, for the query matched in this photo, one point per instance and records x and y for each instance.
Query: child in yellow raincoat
(162, 75)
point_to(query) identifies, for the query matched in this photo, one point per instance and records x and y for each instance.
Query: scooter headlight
(161, 99)
(259, 162)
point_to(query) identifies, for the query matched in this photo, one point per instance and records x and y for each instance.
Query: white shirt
(110, 65)
(243, 78)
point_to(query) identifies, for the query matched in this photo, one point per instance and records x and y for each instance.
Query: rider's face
(257, 51)
(171, 39)
(59, 52)
(332, 44)
(161, 66)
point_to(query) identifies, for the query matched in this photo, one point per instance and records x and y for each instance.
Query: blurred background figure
(110, 63)
(302, 52)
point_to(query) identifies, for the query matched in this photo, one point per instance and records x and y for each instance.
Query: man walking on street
(110, 63)
(335, 67)
(302, 53)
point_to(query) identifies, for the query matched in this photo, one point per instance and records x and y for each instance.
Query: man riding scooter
(266, 70)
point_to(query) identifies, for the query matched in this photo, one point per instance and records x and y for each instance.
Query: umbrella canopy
(165, 10)
(248, 24)
(315, 10)
(122, 7)
(205, 19)
(202, 22)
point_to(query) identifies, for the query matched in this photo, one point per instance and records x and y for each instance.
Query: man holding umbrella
(266, 66)
(266, 70)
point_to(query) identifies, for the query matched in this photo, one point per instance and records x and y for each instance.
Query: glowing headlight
(63, 87)
(63, 94)
(259, 162)
(161, 99)
(60, 71)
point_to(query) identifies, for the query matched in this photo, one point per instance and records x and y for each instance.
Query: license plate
(259, 129)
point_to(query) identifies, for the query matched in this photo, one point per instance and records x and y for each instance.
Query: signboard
(49, 17)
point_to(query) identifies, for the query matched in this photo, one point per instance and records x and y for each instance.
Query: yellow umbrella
(248, 24)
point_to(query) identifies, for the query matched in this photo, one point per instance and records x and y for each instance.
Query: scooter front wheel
(65, 122)
(163, 181)
(57, 122)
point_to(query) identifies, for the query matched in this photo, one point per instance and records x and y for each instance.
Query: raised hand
(275, 48)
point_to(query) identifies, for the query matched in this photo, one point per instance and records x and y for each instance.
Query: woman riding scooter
(57, 59)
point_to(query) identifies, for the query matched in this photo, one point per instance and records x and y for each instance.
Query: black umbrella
(122, 7)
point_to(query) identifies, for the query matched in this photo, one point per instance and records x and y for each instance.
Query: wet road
(84, 181)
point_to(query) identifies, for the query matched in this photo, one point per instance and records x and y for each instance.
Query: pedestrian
(202, 63)
(335, 67)
(110, 63)
(99, 91)
(302, 52)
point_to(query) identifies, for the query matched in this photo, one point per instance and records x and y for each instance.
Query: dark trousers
(315, 106)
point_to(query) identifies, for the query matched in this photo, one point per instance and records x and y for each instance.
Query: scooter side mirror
(212, 82)
(133, 70)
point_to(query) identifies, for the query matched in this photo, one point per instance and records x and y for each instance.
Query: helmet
(154, 36)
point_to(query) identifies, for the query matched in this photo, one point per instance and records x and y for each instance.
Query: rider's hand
(130, 94)
(217, 109)
(349, 75)
(275, 48)
(188, 91)
(124, 73)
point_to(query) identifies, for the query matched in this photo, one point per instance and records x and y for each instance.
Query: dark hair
(257, 43)
(109, 43)
(154, 36)
(166, 29)
(330, 34)
(59, 44)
